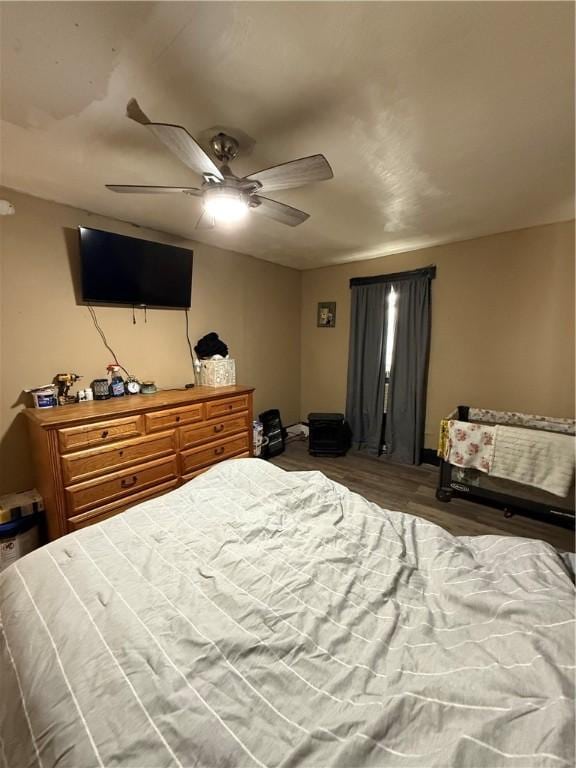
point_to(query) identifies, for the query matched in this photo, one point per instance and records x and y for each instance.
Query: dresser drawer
(225, 406)
(97, 461)
(212, 430)
(105, 489)
(192, 475)
(195, 458)
(174, 417)
(98, 433)
(109, 510)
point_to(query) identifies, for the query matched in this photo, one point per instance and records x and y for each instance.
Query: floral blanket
(465, 444)
(530, 420)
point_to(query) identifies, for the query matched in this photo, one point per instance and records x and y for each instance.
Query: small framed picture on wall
(327, 314)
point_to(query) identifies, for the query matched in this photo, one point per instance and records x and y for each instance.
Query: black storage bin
(274, 431)
(329, 434)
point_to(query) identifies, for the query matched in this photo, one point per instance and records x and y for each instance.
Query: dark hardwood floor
(412, 490)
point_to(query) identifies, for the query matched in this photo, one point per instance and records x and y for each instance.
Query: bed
(271, 618)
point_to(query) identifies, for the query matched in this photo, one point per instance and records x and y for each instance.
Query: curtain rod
(429, 272)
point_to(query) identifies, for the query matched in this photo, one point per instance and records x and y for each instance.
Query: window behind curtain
(390, 336)
(391, 330)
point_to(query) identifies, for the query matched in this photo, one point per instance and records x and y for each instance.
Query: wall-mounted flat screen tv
(126, 270)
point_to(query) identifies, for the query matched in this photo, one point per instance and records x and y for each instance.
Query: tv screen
(125, 270)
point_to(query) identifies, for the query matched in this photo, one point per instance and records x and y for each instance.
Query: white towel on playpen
(541, 459)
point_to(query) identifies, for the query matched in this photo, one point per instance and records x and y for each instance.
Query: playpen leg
(443, 492)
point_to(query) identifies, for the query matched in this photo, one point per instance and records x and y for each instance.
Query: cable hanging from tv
(105, 340)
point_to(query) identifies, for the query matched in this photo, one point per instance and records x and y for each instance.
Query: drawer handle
(230, 406)
(177, 418)
(120, 453)
(218, 427)
(104, 434)
(128, 482)
(219, 451)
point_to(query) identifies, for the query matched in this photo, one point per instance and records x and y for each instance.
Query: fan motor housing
(224, 147)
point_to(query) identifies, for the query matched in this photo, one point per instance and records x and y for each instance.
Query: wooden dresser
(98, 458)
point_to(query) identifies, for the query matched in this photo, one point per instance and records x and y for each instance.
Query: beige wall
(502, 325)
(254, 306)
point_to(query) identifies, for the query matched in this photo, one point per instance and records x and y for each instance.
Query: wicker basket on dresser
(93, 460)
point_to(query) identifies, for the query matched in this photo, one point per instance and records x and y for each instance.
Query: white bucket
(45, 397)
(18, 538)
(258, 437)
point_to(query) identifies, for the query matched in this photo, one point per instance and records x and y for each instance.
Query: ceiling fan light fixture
(227, 206)
(227, 198)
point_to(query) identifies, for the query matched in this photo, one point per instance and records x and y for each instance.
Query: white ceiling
(442, 120)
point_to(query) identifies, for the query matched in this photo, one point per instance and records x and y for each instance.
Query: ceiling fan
(225, 196)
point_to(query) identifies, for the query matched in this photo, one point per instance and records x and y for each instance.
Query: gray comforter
(259, 617)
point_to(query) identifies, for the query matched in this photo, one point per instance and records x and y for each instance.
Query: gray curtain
(366, 362)
(406, 412)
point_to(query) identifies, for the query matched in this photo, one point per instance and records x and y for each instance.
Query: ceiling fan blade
(206, 221)
(142, 190)
(178, 141)
(293, 174)
(281, 212)
(134, 112)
